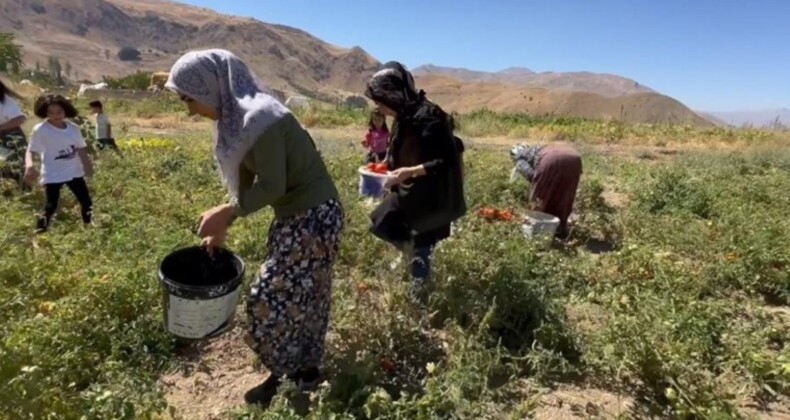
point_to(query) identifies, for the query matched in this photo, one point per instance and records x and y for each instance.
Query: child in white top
(64, 160)
(103, 127)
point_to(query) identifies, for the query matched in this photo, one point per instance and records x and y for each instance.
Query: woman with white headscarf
(266, 158)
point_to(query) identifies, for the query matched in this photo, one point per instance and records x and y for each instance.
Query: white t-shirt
(58, 150)
(9, 110)
(102, 126)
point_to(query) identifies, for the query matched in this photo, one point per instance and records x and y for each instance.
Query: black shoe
(41, 225)
(264, 393)
(307, 379)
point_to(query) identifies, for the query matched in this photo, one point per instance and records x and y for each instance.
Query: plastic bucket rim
(363, 171)
(541, 217)
(237, 279)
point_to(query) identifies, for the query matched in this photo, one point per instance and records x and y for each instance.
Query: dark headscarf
(393, 86)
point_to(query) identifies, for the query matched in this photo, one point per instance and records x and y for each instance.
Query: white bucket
(540, 226)
(200, 292)
(371, 184)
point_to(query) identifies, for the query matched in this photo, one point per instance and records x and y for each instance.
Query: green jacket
(283, 170)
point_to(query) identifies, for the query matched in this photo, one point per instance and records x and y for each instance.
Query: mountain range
(760, 118)
(608, 85)
(88, 37)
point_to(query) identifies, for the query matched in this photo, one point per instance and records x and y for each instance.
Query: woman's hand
(400, 175)
(87, 163)
(30, 175)
(88, 170)
(215, 222)
(211, 243)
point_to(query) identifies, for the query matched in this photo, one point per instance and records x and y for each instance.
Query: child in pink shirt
(377, 139)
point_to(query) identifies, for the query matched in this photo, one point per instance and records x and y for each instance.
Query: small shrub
(135, 81)
(129, 54)
(673, 191)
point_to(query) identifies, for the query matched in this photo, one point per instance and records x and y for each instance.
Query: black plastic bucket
(200, 292)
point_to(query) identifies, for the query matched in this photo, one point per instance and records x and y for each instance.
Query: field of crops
(671, 299)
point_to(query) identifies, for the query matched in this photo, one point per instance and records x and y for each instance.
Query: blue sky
(711, 55)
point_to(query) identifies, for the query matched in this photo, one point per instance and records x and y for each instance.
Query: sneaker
(41, 225)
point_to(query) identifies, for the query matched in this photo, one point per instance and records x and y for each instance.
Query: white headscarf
(246, 109)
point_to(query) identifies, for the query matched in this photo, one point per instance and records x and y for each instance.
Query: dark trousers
(107, 143)
(80, 190)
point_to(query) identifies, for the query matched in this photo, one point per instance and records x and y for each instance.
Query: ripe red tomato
(362, 288)
(380, 168)
(387, 365)
(487, 213)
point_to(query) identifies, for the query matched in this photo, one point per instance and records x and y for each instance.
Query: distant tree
(129, 54)
(56, 70)
(68, 69)
(10, 53)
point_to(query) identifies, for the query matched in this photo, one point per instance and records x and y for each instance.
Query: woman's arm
(439, 149)
(269, 159)
(13, 123)
(31, 159)
(87, 164)
(525, 169)
(82, 151)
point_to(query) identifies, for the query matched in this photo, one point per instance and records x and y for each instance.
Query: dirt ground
(212, 378)
(570, 402)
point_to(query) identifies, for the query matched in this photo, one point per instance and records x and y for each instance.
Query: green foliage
(674, 191)
(56, 71)
(88, 131)
(40, 78)
(338, 116)
(135, 81)
(676, 315)
(10, 54)
(12, 162)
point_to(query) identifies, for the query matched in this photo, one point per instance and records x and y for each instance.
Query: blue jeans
(420, 264)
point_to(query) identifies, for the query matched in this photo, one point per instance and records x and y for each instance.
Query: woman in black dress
(425, 164)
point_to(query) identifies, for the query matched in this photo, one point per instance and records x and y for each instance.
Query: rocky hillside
(461, 96)
(601, 84)
(88, 34)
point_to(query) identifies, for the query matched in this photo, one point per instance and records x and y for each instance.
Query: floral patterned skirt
(288, 305)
